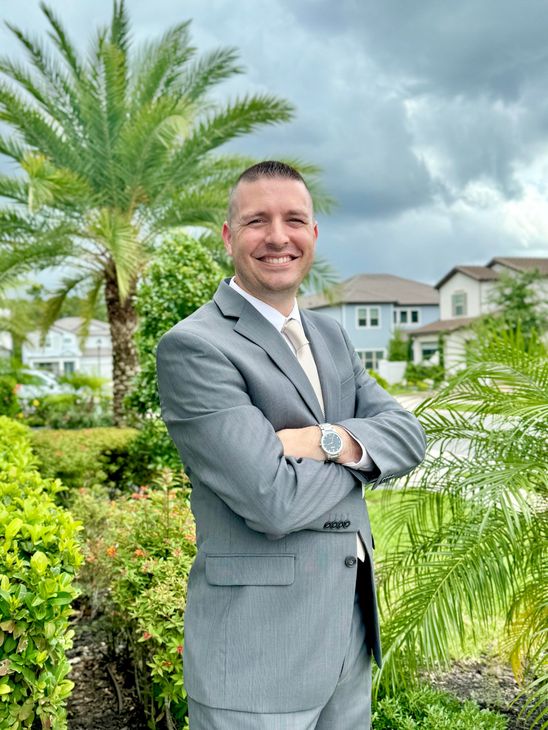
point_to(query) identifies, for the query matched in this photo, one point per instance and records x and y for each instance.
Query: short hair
(268, 168)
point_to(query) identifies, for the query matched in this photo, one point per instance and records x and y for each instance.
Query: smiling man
(279, 428)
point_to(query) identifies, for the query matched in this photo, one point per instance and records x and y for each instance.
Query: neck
(282, 301)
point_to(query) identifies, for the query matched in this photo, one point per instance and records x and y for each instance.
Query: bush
(69, 410)
(9, 405)
(428, 709)
(38, 559)
(419, 374)
(140, 549)
(182, 277)
(151, 451)
(380, 380)
(86, 457)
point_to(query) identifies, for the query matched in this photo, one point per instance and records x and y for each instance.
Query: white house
(63, 350)
(465, 294)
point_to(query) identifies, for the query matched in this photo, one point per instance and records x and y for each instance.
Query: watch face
(331, 442)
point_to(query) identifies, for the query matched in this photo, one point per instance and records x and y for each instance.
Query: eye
(297, 221)
(254, 222)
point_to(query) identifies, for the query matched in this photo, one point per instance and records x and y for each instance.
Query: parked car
(39, 383)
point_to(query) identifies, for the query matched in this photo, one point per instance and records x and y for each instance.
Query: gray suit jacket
(270, 595)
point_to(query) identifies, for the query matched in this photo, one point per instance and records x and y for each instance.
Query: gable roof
(488, 273)
(374, 289)
(518, 263)
(73, 324)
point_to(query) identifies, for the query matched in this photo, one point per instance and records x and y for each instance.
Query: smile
(277, 259)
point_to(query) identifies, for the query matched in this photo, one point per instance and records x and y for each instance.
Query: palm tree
(116, 148)
(470, 530)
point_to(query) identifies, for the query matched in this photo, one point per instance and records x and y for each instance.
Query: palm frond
(61, 40)
(207, 71)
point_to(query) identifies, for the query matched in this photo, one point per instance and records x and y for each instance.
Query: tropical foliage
(38, 558)
(470, 534)
(116, 147)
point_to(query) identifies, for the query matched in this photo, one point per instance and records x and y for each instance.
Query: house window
(458, 304)
(370, 358)
(368, 317)
(428, 349)
(406, 316)
(68, 367)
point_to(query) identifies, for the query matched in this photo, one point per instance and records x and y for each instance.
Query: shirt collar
(276, 319)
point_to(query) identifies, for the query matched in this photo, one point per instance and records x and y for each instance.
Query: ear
(227, 238)
(315, 229)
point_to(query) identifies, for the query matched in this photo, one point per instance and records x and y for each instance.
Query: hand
(305, 443)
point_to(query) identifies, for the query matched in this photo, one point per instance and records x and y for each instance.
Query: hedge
(85, 457)
(38, 559)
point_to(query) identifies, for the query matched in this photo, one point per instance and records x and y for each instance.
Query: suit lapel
(254, 327)
(327, 370)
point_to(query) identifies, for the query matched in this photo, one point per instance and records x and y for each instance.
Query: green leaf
(39, 562)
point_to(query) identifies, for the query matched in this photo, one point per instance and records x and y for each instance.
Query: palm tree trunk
(122, 319)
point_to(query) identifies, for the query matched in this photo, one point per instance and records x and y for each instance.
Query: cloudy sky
(428, 117)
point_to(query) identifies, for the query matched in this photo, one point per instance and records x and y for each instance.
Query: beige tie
(294, 332)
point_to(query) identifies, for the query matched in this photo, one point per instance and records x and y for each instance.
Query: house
(466, 294)
(63, 351)
(371, 306)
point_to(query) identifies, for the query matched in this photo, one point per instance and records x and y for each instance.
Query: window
(68, 367)
(428, 349)
(368, 317)
(370, 358)
(407, 316)
(458, 304)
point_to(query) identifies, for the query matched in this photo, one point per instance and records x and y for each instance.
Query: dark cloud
(430, 118)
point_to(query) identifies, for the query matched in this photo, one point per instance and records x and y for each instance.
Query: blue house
(371, 306)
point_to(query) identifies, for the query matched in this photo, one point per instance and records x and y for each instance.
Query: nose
(276, 234)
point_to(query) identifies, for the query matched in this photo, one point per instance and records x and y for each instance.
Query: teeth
(277, 259)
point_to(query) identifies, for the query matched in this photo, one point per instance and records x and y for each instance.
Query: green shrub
(69, 410)
(428, 709)
(38, 559)
(9, 405)
(85, 457)
(419, 374)
(380, 380)
(141, 549)
(150, 452)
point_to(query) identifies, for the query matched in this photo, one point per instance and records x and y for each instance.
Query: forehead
(271, 194)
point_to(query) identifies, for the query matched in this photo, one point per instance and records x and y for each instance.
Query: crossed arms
(229, 445)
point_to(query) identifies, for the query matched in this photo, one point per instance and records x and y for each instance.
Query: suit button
(346, 524)
(327, 526)
(350, 561)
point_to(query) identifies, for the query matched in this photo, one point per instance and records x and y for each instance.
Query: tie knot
(294, 332)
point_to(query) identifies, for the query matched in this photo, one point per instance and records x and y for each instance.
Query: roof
(374, 288)
(73, 324)
(479, 273)
(519, 263)
(487, 273)
(442, 325)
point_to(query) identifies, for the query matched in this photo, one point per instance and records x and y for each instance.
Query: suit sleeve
(393, 437)
(231, 446)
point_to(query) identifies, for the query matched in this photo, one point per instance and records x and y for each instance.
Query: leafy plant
(472, 531)
(9, 405)
(38, 558)
(425, 708)
(399, 347)
(68, 410)
(418, 375)
(114, 148)
(142, 555)
(84, 457)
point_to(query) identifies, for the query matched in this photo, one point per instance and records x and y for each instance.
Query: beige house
(64, 351)
(465, 294)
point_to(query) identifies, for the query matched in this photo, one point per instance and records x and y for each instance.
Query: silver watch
(330, 442)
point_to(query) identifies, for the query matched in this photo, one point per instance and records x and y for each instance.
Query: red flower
(146, 635)
(180, 649)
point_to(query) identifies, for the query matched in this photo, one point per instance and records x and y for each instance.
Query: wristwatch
(330, 442)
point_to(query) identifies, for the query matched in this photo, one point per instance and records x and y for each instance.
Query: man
(278, 426)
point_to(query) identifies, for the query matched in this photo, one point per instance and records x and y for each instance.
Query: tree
(116, 148)
(471, 527)
(399, 346)
(519, 303)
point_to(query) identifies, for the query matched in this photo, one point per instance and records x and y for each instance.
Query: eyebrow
(257, 213)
